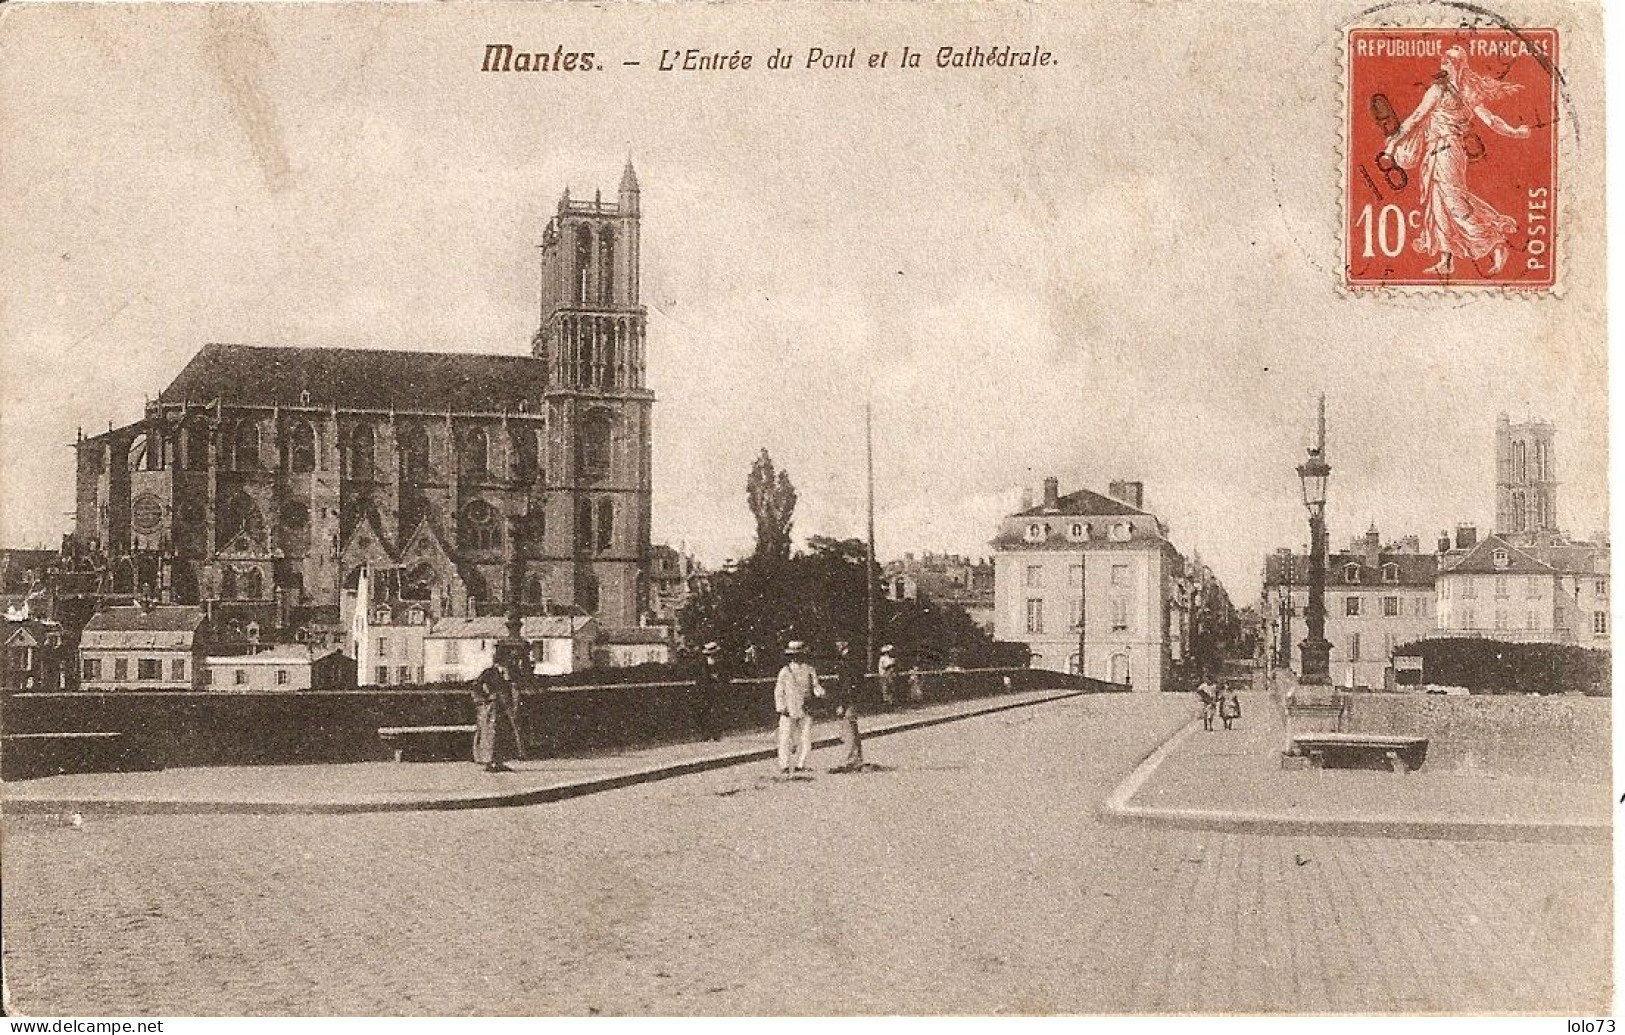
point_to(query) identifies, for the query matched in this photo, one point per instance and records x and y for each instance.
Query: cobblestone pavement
(970, 877)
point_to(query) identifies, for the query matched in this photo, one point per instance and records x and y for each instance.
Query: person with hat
(886, 668)
(850, 668)
(703, 696)
(797, 681)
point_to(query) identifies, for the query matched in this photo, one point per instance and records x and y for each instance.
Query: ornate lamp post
(1315, 651)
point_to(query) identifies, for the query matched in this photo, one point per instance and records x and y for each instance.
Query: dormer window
(524, 406)
(304, 397)
(1035, 532)
(381, 616)
(1501, 559)
(1351, 574)
(1122, 531)
(1079, 531)
(1390, 573)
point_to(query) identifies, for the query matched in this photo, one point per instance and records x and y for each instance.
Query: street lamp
(1315, 651)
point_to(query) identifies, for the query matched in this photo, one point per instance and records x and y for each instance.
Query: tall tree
(773, 501)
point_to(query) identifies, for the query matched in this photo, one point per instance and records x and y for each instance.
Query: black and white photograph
(873, 510)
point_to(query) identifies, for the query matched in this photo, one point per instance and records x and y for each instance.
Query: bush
(1497, 667)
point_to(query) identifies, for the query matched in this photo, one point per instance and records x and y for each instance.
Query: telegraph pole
(869, 572)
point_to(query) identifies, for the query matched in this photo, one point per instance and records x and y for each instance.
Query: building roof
(1084, 503)
(495, 627)
(377, 379)
(158, 618)
(1480, 560)
(281, 654)
(1410, 569)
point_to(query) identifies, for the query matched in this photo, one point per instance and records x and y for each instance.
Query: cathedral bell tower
(1525, 478)
(592, 338)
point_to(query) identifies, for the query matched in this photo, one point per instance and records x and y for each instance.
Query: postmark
(1450, 158)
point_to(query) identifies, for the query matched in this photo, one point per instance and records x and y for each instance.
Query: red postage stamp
(1450, 167)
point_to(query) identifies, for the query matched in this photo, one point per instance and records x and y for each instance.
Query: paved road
(973, 877)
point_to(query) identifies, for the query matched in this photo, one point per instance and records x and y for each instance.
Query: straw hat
(795, 647)
(713, 647)
(887, 649)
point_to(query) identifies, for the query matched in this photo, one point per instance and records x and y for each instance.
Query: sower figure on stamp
(848, 691)
(1455, 221)
(496, 699)
(703, 697)
(797, 681)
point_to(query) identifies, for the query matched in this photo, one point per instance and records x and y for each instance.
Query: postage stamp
(1450, 164)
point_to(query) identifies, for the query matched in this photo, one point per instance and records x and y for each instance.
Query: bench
(1361, 750)
(400, 738)
(27, 755)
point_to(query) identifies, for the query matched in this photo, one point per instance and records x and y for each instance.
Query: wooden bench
(1361, 750)
(26, 755)
(400, 738)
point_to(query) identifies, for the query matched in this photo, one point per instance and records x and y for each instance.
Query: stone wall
(1558, 738)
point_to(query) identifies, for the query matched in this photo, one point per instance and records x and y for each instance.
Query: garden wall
(1551, 737)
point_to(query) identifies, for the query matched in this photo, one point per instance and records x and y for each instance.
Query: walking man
(848, 692)
(708, 683)
(886, 669)
(494, 698)
(1209, 695)
(797, 679)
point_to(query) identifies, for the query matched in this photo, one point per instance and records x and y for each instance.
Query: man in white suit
(797, 680)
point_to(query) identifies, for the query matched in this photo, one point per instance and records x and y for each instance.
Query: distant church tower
(592, 338)
(1525, 477)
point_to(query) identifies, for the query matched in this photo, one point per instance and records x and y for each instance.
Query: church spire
(629, 190)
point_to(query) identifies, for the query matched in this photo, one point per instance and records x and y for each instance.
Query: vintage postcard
(833, 509)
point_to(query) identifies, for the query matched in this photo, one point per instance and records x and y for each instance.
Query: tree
(772, 500)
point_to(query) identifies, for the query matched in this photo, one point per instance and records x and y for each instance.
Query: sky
(1121, 266)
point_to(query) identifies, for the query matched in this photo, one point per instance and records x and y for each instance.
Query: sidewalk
(1234, 781)
(411, 786)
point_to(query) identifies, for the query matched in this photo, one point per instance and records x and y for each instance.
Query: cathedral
(263, 479)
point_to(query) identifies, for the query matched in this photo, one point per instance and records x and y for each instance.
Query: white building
(280, 669)
(1556, 592)
(1089, 583)
(459, 649)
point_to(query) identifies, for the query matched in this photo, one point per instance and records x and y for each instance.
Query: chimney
(1052, 493)
(1444, 542)
(1466, 537)
(1373, 548)
(1132, 493)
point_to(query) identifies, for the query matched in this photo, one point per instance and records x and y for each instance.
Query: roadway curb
(478, 800)
(1116, 809)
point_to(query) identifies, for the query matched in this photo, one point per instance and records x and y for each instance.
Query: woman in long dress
(1455, 221)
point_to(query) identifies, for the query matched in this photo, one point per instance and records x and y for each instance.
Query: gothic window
(533, 589)
(228, 584)
(606, 266)
(1518, 519)
(1542, 516)
(1542, 469)
(245, 445)
(239, 514)
(609, 354)
(195, 448)
(523, 443)
(606, 524)
(414, 446)
(593, 445)
(252, 584)
(1520, 464)
(363, 447)
(301, 445)
(584, 525)
(481, 526)
(295, 522)
(476, 459)
(583, 264)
